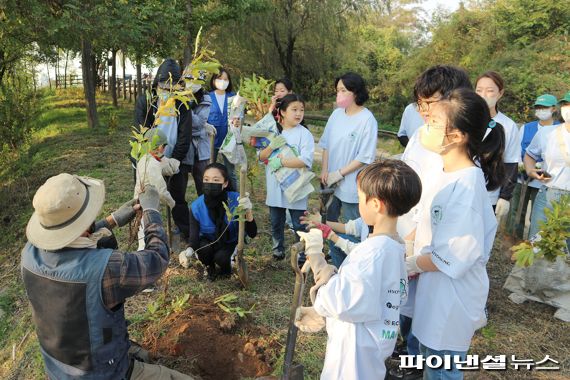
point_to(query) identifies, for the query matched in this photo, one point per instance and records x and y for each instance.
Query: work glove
(412, 266)
(275, 164)
(244, 202)
(125, 213)
(308, 320)
(185, 256)
(409, 247)
(169, 166)
(149, 198)
(277, 142)
(210, 129)
(350, 228)
(322, 271)
(334, 177)
(502, 209)
(310, 219)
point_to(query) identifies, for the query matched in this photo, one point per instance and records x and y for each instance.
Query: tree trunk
(65, 70)
(113, 77)
(188, 46)
(57, 76)
(139, 77)
(49, 79)
(88, 70)
(124, 76)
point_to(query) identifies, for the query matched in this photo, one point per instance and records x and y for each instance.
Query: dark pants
(349, 212)
(231, 169)
(277, 216)
(198, 174)
(177, 188)
(214, 254)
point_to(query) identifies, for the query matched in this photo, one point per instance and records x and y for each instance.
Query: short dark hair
(355, 84)
(217, 76)
(285, 82)
(393, 182)
(442, 79)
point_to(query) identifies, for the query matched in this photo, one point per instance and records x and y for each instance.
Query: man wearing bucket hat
(77, 291)
(544, 108)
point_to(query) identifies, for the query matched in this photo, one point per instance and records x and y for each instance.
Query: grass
(62, 143)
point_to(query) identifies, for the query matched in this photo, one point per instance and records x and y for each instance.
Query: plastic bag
(258, 133)
(232, 147)
(294, 182)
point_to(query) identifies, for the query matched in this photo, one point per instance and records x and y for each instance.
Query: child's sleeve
(307, 148)
(368, 139)
(353, 294)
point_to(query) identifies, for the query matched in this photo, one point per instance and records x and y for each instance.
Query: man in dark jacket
(77, 290)
(176, 123)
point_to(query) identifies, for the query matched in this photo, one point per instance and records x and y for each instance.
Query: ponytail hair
(469, 113)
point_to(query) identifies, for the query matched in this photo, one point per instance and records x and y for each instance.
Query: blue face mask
(163, 95)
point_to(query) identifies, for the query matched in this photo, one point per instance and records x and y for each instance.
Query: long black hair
(285, 103)
(285, 82)
(469, 113)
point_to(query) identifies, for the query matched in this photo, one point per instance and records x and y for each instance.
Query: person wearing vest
(211, 237)
(77, 290)
(177, 126)
(544, 108)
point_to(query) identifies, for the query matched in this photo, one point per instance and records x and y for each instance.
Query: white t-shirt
(348, 138)
(546, 145)
(300, 139)
(361, 305)
(533, 183)
(512, 152)
(450, 303)
(411, 121)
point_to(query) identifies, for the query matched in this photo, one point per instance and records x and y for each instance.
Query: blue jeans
(277, 217)
(231, 169)
(543, 201)
(442, 373)
(349, 210)
(412, 343)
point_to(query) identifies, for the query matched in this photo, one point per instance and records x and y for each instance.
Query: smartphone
(543, 173)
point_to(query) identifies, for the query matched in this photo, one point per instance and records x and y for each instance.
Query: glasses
(423, 105)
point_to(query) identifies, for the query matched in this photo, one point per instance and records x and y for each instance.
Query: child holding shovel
(361, 303)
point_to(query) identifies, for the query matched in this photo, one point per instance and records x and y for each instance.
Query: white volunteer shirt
(303, 142)
(411, 121)
(348, 138)
(450, 303)
(546, 145)
(512, 152)
(361, 305)
(534, 183)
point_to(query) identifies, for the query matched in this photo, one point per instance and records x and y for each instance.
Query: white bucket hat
(65, 206)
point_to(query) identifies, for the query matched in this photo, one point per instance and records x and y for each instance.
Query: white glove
(169, 166)
(334, 177)
(308, 320)
(322, 276)
(350, 228)
(502, 208)
(313, 244)
(210, 129)
(409, 248)
(412, 265)
(185, 256)
(244, 202)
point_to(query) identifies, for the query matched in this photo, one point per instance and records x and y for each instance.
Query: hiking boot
(278, 255)
(405, 374)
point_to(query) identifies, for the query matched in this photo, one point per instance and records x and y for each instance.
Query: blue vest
(207, 226)
(79, 337)
(218, 117)
(530, 130)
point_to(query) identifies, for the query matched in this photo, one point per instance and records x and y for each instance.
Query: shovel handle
(212, 149)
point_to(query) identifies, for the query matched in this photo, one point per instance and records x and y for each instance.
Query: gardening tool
(524, 189)
(325, 199)
(241, 265)
(212, 149)
(290, 371)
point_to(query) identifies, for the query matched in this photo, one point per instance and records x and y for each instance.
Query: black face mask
(213, 193)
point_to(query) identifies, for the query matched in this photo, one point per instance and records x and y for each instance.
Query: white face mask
(221, 84)
(565, 112)
(491, 102)
(543, 114)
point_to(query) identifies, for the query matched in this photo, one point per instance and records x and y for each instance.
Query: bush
(18, 107)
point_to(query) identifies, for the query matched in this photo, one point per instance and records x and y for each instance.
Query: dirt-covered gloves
(185, 256)
(149, 198)
(334, 177)
(210, 129)
(275, 163)
(322, 275)
(308, 320)
(502, 208)
(125, 213)
(311, 219)
(244, 202)
(412, 266)
(169, 166)
(277, 142)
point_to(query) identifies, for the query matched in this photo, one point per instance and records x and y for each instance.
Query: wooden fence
(381, 132)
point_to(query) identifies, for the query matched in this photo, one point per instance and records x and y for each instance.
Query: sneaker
(405, 374)
(278, 256)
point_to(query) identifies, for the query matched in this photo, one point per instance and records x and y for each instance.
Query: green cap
(546, 100)
(565, 98)
(162, 139)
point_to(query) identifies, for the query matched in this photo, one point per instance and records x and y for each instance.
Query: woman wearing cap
(544, 108)
(551, 145)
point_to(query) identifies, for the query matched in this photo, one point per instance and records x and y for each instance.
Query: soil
(213, 344)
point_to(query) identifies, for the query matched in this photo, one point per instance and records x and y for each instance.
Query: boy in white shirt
(361, 303)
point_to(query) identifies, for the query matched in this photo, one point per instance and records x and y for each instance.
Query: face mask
(163, 95)
(343, 100)
(491, 102)
(212, 190)
(565, 112)
(432, 136)
(221, 84)
(543, 114)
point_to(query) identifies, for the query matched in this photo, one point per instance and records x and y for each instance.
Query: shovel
(290, 371)
(241, 265)
(325, 200)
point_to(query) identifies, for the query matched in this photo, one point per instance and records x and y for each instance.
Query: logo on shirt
(389, 305)
(389, 334)
(436, 214)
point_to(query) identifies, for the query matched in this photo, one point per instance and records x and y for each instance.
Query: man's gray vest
(79, 337)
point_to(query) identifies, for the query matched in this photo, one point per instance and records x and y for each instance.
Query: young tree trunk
(57, 76)
(65, 70)
(188, 46)
(139, 77)
(113, 77)
(49, 79)
(124, 76)
(88, 69)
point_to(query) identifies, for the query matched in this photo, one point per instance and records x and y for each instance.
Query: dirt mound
(206, 341)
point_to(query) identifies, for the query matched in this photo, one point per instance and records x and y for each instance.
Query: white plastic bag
(295, 182)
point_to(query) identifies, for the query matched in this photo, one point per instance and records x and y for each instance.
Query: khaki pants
(145, 371)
